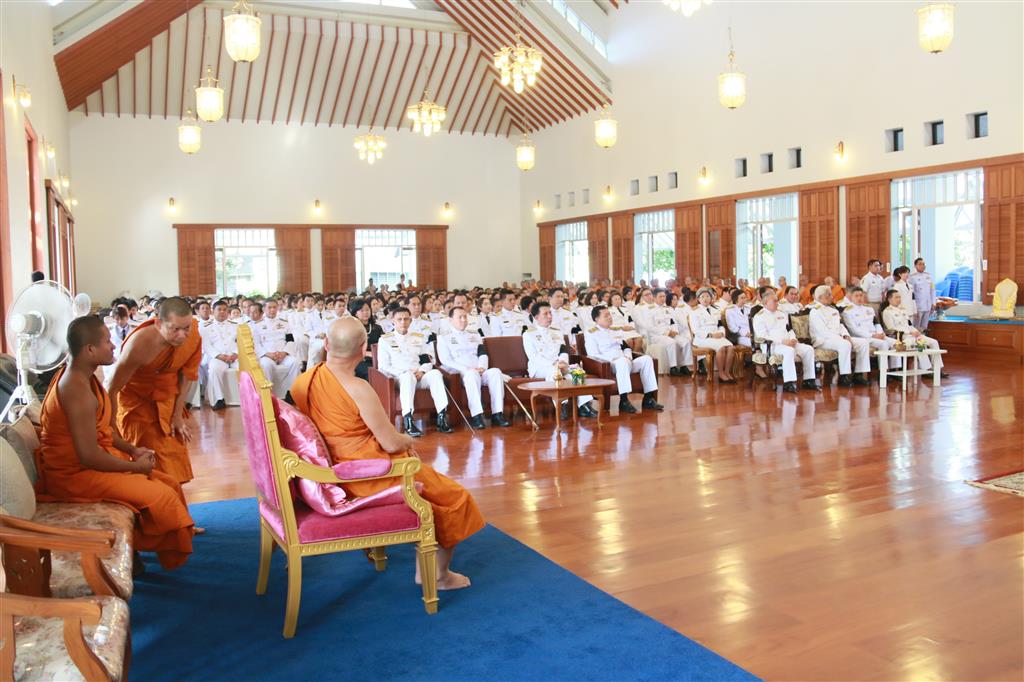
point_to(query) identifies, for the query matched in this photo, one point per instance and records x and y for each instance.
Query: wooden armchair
(386, 389)
(707, 353)
(507, 354)
(602, 369)
(827, 359)
(286, 522)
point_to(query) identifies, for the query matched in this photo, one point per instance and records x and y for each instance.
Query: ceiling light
(518, 64)
(190, 135)
(606, 129)
(370, 147)
(526, 154)
(426, 116)
(732, 84)
(686, 7)
(242, 33)
(935, 27)
(209, 98)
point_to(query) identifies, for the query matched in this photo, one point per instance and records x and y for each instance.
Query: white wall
(126, 169)
(816, 72)
(25, 40)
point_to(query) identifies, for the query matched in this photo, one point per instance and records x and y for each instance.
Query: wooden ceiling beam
(398, 86)
(359, 70)
(387, 77)
(312, 72)
(344, 69)
(330, 65)
(298, 68)
(280, 72)
(266, 69)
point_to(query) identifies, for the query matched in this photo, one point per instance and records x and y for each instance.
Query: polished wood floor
(819, 536)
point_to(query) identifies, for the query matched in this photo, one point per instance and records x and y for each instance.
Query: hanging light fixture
(518, 63)
(732, 84)
(370, 147)
(526, 154)
(606, 129)
(702, 176)
(242, 33)
(935, 27)
(686, 7)
(190, 135)
(209, 98)
(426, 116)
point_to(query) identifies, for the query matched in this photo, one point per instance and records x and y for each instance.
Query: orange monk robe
(145, 405)
(319, 395)
(838, 293)
(162, 522)
(807, 295)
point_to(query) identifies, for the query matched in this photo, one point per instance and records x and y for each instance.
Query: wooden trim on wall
(338, 258)
(35, 198)
(305, 226)
(547, 252)
(293, 259)
(1003, 226)
(197, 267)
(689, 223)
(431, 259)
(868, 222)
(721, 237)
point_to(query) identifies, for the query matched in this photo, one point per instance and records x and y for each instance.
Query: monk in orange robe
(354, 425)
(81, 459)
(159, 362)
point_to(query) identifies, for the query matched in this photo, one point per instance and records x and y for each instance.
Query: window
(652, 183)
(572, 199)
(741, 168)
(935, 133)
(577, 24)
(796, 157)
(572, 252)
(978, 124)
(558, 201)
(246, 261)
(766, 238)
(385, 255)
(654, 246)
(767, 163)
(673, 180)
(894, 137)
(586, 197)
(938, 218)
(634, 187)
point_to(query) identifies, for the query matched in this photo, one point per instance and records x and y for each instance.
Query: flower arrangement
(578, 376)
(920, 344)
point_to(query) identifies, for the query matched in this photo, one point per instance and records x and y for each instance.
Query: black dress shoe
(673, 371)
(410, 426)
(626, 407)
(477, 421)
(650, 403)
(442, 422)
(498, 419)
(685, 372)
(789, 387)
(810, 384)
(845, 380)
(702, 370)
(944, 375)
(565, 410)
(861, 381)
(189, 406)
(220, 404)
(587, 412)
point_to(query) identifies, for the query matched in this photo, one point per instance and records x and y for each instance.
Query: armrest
(74, 613)
(59, 543)
(83, 609)
(595, 366)
(22, 524)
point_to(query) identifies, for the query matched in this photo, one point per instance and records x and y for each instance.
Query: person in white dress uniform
(656, 321)
(705, 324)
(873, 284)
(772, 324)
(896, 319)
(511, 322)
(462, 351)
(861, 321)
(924, 294)
(270, 336)
(409, 358)
(220, 346)
(828, 331)
(901, 283)
(602, 343)
(547, 354)
(486, 318)
(737, 319)
(314, 328)
(623, 323)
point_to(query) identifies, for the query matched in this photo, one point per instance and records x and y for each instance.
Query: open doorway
(384, 256)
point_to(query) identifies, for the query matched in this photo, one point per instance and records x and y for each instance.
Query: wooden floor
(820, 536)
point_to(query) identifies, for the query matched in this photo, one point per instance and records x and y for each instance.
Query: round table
(563, 390)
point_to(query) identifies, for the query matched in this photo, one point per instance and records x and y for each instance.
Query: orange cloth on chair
(162, 522)
(319, 395)
(146, 404)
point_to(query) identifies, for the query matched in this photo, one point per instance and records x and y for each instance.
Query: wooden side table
(566, 390)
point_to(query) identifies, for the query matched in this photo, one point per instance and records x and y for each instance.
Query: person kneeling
(354, 425)
(463, 352)
(84, 460)
(601, 343)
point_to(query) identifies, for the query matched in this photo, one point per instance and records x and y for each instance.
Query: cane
(451, 399)
(506, 378)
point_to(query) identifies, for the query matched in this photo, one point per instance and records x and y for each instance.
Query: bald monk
(82, 459)
(159, 362)
(354, 425)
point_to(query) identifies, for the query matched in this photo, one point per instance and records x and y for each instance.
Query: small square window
(977, 124)
(934, 133)
(572, 199)
(741, 168)
(634, 188)
(586, 197)
(767, 163)
(652, 183)
(796, 157)
(894, 139)
(673, 180)
(558, 201)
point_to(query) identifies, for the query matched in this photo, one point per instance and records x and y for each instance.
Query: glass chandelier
(686, 7)
(242, 33)
(209, 98)
(190, 136)
(526, 154)
(426, 116)
(732, 84)
(606, 129)
(370, 147)
(935, 27)
(518, 64)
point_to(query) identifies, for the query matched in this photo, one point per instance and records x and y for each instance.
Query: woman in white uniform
(895, 318)
(623, 324)
(707, 333)
(736, 318)
(901, 283)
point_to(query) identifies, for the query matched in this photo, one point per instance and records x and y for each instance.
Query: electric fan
(82, 304)
(37, 328)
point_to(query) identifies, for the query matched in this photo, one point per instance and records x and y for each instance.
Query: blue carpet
(524, 618)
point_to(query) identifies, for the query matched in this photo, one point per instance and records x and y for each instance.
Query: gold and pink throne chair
(303, 509)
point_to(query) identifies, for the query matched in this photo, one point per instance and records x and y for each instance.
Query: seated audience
(828, 331)
(548, 355)
(896, 319)
(271, 336)
(705, 321)
(463, 351)
(771, 324)
(862, 323)
(602, 343)
(220, 353)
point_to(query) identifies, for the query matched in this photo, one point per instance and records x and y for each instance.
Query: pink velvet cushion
(314, 527)
(257, 448)
(298, 434)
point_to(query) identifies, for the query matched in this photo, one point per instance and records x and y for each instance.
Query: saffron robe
(319, 395)
(145, 406)
(162, 522)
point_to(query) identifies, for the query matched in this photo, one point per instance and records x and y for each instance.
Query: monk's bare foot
(200, 530)
(452, 581)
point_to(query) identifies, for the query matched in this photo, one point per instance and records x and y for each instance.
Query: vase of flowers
(578, 376)
(920, 344)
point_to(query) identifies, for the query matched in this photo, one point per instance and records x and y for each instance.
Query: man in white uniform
(420, 323)
(873, 284)
(562, 319)
(462, 351)
(827, 331)
(547, 354)
(408, 358)
(773, 324)
(314, 328)
(510, 322)
(270, 336)
(657, 322)
(862, 323)
(220, 346)
(604, 344)
(924, 294)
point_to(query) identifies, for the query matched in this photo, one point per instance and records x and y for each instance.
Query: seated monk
(81, 459)
(354, 425)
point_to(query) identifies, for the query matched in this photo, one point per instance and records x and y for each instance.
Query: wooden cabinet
(994, 340)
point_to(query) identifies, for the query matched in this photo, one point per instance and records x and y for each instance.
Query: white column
(316, 261)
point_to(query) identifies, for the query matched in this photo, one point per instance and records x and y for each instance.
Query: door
(907, 238)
